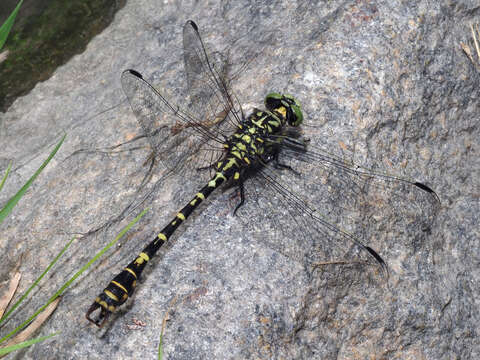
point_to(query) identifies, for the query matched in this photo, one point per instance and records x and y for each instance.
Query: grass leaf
(35, 324)
(7, 25)
(73, 278)
(15, 199)
(9, 349)
(5, 176)
(3, 318)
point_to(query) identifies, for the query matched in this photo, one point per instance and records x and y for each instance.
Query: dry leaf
(35, 324)
(8, 295)
(467, 51)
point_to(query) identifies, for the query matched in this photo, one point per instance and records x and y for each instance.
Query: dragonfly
(268, 161)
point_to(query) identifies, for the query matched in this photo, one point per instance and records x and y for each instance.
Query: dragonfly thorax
(255, 135)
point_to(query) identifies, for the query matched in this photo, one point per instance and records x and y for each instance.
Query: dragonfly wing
(340, 210)
(174, 134)
(404, 194)
(208, 85)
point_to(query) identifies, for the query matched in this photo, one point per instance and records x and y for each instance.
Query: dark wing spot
(136, 73)
(194, 26)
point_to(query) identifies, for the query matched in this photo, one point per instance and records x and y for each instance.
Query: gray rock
(385, 84)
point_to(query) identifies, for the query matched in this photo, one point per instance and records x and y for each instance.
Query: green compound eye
(294, 112)
(297, 110)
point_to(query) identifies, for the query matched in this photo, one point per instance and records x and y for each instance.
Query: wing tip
(193, 25)
(134, 73)
(380, 261)
(424, 187)
(427, 189)
(375, 255)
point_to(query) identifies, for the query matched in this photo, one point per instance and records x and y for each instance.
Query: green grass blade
(7, 314)
(74, 277)
(160, 347)
(9, 349)
(100, 253)
(7, 25)
(5, 176)
(15, 199)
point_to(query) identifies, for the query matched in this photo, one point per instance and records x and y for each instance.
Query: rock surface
(385, 82)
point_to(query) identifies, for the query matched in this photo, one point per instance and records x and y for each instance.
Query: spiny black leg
(280, 166)
(212, 165)
(298, 145)
(150, 160)
(242, 197)
(208, 167)
(203, 168)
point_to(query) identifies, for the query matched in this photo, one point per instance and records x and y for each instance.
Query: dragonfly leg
(280, 166)
(242, 197)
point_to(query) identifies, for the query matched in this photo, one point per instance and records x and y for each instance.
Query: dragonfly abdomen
(123, 285)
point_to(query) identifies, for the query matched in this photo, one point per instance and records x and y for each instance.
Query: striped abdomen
(123, 285)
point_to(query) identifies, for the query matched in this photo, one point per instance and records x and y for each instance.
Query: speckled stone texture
(384, 83)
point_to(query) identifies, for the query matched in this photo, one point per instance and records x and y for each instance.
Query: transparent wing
(339, 210)
(175, 147)
(208, 84)
(187, 140)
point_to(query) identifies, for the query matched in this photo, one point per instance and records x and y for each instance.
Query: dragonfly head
(286, 105)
